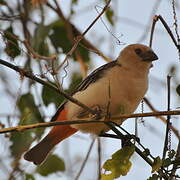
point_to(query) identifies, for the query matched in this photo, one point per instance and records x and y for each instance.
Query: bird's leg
(85, 114)
(98, 111)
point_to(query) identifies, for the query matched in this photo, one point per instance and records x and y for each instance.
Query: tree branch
(55, 123)
(149, 114)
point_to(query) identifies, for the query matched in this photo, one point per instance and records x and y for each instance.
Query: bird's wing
(92, 78)
(95, 76)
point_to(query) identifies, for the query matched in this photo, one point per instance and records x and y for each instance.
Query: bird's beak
(149, 56)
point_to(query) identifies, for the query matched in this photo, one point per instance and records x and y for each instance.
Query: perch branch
(55, 123)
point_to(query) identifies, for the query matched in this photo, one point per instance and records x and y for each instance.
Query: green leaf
(84, 53)
(156, 164)
(166, 162)
(39, 40)
(109, 16)
(50, 96)
(59, 36)
(12, 47)
(29, 177)
(59, 39)
(74, 1)
(30, 114)
(178, 89)
(51, 165)
(107, 176)
(20, 143)
(75, 80)
(29, 111)
(119, 165)
(105, 1)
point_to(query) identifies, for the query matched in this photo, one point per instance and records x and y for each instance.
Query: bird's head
(138, 56)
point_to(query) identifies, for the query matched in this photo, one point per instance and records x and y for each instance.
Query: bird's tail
(58, 133)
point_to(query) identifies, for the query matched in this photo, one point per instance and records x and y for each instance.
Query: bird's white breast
(119, 91)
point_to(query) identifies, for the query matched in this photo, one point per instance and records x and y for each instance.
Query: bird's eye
(138, 51)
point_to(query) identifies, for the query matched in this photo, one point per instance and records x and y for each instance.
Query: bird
(113, 89)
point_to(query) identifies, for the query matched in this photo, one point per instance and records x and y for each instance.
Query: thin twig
(155, 19)
(99, 158)
(24, 19)
(176, 25)
(168, 117)
(108, 30)
(55, 123)
(135, 138)
(175, 21)
(85, 160)
(168, 30)
(35, 55)
(9, 18)
(100, 14)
